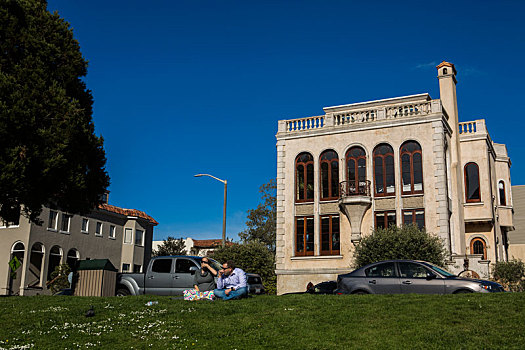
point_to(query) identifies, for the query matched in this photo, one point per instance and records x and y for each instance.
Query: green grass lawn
(472, 321)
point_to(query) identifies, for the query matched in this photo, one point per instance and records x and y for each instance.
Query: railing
(355, 117)
(468, 128)
(354, 188)
(302, 124)
(408, 110)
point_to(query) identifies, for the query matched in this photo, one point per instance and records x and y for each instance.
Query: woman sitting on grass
(203, 283)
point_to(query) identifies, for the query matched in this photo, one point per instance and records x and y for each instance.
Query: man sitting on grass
(231, 283)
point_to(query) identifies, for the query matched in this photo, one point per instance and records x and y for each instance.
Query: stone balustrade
(472, 127)
(408, 110)
(302, 124)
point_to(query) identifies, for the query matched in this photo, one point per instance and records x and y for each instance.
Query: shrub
(59, 278)
(252, 257)
(511, 274)
(406, 242)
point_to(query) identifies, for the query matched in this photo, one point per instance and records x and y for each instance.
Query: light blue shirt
(237, 279)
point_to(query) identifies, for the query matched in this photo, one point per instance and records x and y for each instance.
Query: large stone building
(393, 161)
(123, 236)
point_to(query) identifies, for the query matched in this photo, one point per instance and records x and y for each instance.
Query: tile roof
(128, 212)
(209, 243)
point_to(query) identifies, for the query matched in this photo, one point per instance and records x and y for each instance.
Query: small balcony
(354, 201)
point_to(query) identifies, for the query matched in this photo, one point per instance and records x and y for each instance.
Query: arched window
(72, 257)
(329, 165)
(472, 183)
(411, 168)
(477, 246)
(502, 197)
(384, 177)
(356, 168)
(55, 258)
(304, 175)
(36, 261)
(17, 251)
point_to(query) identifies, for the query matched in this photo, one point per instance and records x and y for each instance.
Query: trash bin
(96, 278)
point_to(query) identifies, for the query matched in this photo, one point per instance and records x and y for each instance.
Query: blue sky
(187, 87)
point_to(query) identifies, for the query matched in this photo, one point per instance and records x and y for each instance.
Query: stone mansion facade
(395, 161)
(124, 236)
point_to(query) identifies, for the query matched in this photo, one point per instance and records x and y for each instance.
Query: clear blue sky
(187, 87)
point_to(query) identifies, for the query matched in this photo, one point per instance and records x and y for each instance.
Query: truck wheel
(123, 292)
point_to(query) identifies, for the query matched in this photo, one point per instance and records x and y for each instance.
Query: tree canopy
(171, 246)
(49, 153)
(261, 223)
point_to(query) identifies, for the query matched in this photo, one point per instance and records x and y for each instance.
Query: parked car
(409, 276)
(255, 285)
(165, 275)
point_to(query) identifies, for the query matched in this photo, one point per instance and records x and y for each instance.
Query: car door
(159, 280)
(183, 276)
(382, 278)
(416, 278)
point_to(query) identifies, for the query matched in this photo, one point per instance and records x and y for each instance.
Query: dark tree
(49, 153)
(171, 246)
(262, 220)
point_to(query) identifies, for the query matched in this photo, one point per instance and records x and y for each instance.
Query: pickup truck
(165, 275)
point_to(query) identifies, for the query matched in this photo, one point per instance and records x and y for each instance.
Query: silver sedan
(409, 276)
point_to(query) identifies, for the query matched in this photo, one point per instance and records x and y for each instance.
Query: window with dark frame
(414, 216)
(304, 236)
(356, 167)
(472, 191)
(501, 190)
(411, 168)
(384, 219)
(304, 177)
(478, 246)
(330, 241)
(329, 170)
(384, 177)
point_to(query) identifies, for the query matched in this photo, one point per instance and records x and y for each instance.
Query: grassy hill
(469, 321)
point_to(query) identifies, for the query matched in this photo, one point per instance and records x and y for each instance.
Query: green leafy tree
(511, 274)
(49, 153)
(171, 246)
(405, 242)
(261, 224)
(59, 278)
(252, 257)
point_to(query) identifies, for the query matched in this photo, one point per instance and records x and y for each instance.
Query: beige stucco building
(517, 237)
(121, 235)
(393, 161)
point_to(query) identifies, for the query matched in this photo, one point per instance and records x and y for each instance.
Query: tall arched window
(55, 258)
(411, 168)
(36, 259)
(18, 252)
(72, 257)
(329, 164)
(501, 190)
(304, 175)
(472, 191)
(477, 246)
(356, 167)
(384, 177)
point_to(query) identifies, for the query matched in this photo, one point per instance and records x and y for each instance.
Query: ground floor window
(384, 219)
(330, 243)
(478, 246)
(304, 236)
(414, 216)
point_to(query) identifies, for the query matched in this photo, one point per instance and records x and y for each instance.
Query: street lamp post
(224, 209)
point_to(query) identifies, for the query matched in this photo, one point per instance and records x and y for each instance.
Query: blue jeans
(234, 294)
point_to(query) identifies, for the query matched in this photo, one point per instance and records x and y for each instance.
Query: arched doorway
(15, 278)
(36, 262)
(55, 258)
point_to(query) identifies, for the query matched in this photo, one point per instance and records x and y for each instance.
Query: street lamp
(224, 209)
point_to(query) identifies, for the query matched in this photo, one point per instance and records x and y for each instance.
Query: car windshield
(441, 271)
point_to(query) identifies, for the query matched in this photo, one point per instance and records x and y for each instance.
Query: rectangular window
(85, 225)
(139, 236)
(414, 216)
(112, 231)
(98, 229)
(127, 235)
(385, 219)
(125, 267)
(330, 244)
(304, 233)
(66, 222)
(137, 268)
(53, 219)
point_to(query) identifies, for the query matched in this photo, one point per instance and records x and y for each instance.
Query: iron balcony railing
(354, 188)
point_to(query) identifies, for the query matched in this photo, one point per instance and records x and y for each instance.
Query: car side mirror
(193, 269)
(431, 276)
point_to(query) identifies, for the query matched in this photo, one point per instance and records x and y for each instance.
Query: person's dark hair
(230, 264)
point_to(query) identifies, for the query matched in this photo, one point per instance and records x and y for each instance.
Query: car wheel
(360, 292)
(123, 292)
(463, 291)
